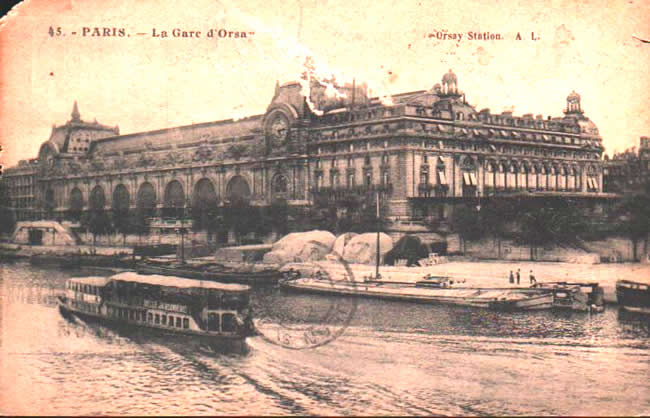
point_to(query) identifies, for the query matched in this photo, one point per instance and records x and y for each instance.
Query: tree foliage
(7, 215)
(634, 217)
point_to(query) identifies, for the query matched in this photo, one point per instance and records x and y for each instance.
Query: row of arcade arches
(174, 199)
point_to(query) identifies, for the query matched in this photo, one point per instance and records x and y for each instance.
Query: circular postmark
(315, 304)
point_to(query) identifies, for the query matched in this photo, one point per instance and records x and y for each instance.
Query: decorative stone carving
(120, 163)
(97, 165)
(145, 160)
(172, 158)
(203, 154)
(236, 151)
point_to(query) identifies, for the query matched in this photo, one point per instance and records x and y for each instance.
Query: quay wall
(612, 249)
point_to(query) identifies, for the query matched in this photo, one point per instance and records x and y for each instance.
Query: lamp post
(377, 253)
(182, 232)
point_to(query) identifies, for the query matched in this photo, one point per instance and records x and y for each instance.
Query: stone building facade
(20, 190)
(629, 171)
(419, 150)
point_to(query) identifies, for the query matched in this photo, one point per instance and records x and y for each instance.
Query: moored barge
(212, 272)
(633, 296)
(439, 289)
(215, 313)
(509, 299)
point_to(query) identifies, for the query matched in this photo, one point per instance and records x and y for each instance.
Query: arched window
(532, 177)
(522, 181)
(204, 205)
(238, 189)
(573, 180)
(279, 185)
(552, 178)
(489, 176)
(562, 178)
(76, 204)
(511, 178)
(543, 177)
(174, 199)
(97, 198)
(501, 176)
(146, 199)
(121, 199)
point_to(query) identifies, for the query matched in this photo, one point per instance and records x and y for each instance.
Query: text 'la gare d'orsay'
(57, 31)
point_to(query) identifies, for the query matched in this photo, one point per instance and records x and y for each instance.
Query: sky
(142, 82)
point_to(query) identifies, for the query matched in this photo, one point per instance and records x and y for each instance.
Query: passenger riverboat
(633, 296)
(215, 313)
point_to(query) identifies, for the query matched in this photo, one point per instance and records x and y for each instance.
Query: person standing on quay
(532, 278)
(518, 276)
(512, 277)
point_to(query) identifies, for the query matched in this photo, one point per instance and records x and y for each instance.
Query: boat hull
(633, 296)
(253, 278)
(533, 300)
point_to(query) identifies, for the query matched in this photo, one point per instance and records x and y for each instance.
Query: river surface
(393, 358)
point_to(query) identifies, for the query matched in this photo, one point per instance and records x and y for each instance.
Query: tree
(7, 215)
(557, 221)
(635, 219)
(241, 217)
(98, 222)
(495, 214)
(276, 217)
(467, 223)
(122, 223)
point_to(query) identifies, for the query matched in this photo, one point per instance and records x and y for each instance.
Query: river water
(393, 358)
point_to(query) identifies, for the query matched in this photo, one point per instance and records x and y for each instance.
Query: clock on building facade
(276, 129)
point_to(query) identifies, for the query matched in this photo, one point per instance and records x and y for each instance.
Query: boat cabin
(167, 301)
(85, 293)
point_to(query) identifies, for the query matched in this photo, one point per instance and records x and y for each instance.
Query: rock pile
(301, 247)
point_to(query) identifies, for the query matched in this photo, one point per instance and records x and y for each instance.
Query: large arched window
(121, 199)
(76, 204)
(238, 189)
(204, 205)
(146, 199)
(97, 198)
(174, 199)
